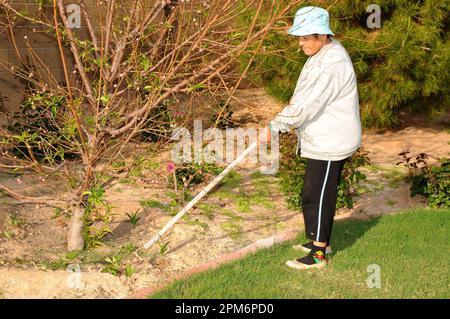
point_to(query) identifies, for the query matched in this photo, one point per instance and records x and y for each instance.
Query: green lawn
(412, 249)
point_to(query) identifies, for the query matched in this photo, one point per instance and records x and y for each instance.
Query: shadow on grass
(399, 244)
(347, 232)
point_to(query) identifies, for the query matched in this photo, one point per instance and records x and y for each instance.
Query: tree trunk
(75, 239)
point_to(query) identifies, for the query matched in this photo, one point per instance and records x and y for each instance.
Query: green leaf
(105, 99)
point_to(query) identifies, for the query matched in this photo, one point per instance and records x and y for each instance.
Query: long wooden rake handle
(200, 195)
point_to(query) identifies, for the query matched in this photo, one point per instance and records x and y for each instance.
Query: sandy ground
(39, 239)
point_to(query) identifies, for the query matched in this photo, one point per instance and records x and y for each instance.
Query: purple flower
(171, 167)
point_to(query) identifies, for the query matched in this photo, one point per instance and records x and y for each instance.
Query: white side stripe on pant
(321, 198)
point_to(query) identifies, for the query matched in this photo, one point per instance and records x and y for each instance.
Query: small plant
(231, 180)
(71, 255)
(114, 263)
(16, 220)
(163, 247)
(129, 271)
(98, 210)
(57, 264)
(93, 236)
(243, 204)
(6, 234)
(112, 266)
(433, 182)
(127, 249)
(170, 208)
(233, 229)
(57, 213)
(133, 218)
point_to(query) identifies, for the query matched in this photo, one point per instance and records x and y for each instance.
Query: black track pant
(319, 197)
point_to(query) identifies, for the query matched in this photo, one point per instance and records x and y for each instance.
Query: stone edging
(259, 244)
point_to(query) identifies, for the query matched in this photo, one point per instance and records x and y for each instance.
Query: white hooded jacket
(324, 109)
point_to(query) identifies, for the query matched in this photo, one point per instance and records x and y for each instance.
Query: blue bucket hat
(311, 20)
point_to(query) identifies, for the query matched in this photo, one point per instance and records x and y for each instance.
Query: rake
(200, 195)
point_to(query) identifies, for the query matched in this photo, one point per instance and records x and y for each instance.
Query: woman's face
(311, 45)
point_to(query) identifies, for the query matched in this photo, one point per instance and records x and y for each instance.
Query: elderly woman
(324, 111)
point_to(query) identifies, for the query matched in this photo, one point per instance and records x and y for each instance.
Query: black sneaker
(307, 248)
(313, 260)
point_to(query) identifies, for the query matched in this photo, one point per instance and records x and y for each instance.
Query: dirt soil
(249, 207)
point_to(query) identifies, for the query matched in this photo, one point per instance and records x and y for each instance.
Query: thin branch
(76, 53)
(63, 60)
(30, 199)
(89, 27)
